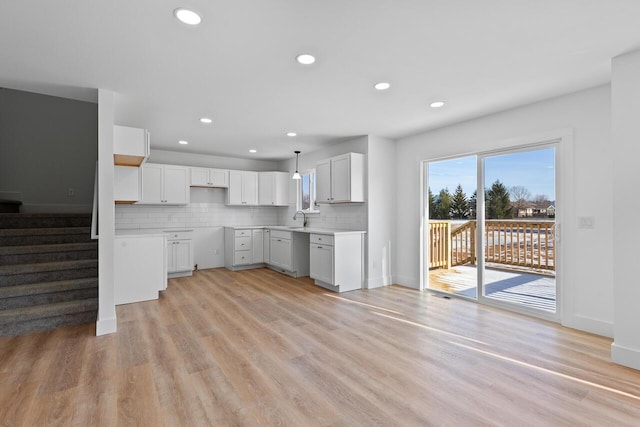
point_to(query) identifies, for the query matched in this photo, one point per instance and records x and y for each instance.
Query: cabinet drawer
(241, 257)
(321, 239)
(179, 235)
(281, 234)
(241, 233)
(243, 243)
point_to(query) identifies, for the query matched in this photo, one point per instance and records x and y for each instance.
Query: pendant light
(296, 175)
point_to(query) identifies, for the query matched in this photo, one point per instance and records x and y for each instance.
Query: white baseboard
(625, 356)
(55, 208)
(591, 325)
(409, 282)
(378, 282)
(106, 326)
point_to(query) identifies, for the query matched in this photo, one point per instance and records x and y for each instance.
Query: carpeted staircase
(48, 272)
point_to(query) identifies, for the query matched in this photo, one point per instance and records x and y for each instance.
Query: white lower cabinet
(281, 255)
(257, 245)
(179, 253)
(266, 247)
(243, 248)
(140, 267)
(289, 252)
(336, 262)
(321, 261)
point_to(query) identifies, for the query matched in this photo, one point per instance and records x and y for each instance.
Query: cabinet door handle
(319, 247)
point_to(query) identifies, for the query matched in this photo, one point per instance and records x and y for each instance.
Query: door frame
(562, 140)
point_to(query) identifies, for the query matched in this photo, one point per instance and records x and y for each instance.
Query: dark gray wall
(47, 146)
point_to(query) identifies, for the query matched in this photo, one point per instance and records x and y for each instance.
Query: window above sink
(306, 192)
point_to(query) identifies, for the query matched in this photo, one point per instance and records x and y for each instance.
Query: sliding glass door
(497, 245)
(519, 228)
(451, 212)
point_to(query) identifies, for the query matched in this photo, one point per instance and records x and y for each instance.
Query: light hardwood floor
(258, 348)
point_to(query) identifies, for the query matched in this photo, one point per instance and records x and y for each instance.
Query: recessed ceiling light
(253, 151)
(206, 120)
(291, 134)
(382, 86)
(187, 16)
(183, 142)
(437, 104)
(305, 59)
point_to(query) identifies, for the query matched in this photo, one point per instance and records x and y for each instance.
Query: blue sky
(534, 170)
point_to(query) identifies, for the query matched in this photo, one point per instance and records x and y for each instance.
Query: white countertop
(148, 231)
(298, 229)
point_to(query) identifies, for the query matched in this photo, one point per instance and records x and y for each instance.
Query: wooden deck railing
(522, 243)
(439, 244)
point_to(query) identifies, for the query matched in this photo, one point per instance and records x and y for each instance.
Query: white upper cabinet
(207, 177)
(164, 184)
(243, 188)
(323, 181)
(131, 146)
(273, 188)
(340, 179)
(127, 185)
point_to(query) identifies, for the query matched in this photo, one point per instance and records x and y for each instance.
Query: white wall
(205, 160)
(586, 170)
(626, 176)
(381, 211)
(48, 145)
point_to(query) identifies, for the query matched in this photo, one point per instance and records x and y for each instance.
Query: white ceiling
(238, 67)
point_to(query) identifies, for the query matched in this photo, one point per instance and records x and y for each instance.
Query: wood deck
(257, 348)
(526, 289)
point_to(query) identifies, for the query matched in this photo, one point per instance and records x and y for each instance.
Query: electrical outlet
(215, 252)
(587, 222)
(71, 192)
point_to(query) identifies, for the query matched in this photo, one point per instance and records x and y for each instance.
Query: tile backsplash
(207, 209)
(336, 217)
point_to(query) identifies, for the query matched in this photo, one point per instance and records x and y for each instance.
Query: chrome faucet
(304, 218)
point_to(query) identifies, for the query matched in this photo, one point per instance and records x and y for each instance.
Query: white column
(106, 216)
(625, 91)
